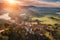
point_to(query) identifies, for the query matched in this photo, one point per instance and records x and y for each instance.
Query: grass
(47, 20)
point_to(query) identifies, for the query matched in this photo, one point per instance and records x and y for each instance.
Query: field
(48, 19)
(48, 29)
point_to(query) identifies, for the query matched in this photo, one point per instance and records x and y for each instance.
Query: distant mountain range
(39, 11)
(44, 9)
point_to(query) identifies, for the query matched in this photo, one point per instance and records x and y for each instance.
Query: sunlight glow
(12, 1)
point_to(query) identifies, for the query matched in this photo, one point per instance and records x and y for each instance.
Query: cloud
(50, 0)
(40, 3)
(5, 16)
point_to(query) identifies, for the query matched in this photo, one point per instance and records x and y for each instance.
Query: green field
(48, 20)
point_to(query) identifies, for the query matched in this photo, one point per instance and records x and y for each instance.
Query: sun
(12, 1)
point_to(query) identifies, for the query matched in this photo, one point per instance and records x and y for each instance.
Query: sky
(38, 3)
(51, 0)
(43, 3)
(46, 3)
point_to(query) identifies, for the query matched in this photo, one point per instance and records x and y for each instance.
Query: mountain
(44, 9)
(39, 11)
